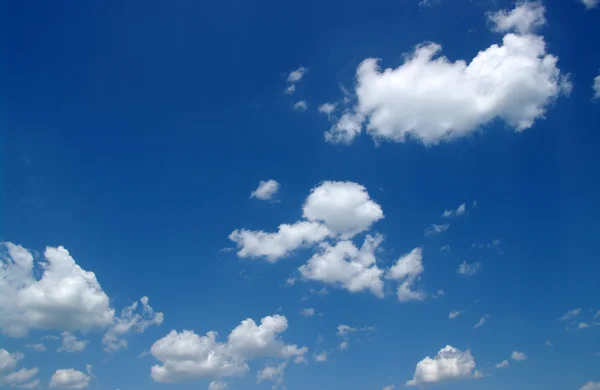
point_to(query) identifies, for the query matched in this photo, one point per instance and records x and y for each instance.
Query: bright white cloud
(344, 207)
(432, 99)
(296, 75)
(185, 355)
(591, 386)
(455, 314)
(69, 379)
(481, 321)
(526, 17)
(309, 312)
(518, 356)
(467, 269)
(589, 4)
(9, 361)
(434, 229)
(65, 297)
(272, 373)
(596, 87)
(274, 246)
(266, 190)
(407, 270)
(301, 105)
(344, 265)
(37, 347)
(327, 108)
(570, 315)
(70, 343)
(503, 364)
(321, 357)
(130, 322)
(449, 364)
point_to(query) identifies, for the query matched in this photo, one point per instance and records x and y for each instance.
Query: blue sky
(183, 152)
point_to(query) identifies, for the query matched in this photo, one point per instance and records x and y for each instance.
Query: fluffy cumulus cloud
(69, 379)
(449, 364)
(266, 190)
(130, 322)
(186, 355)
(524, 18)
(589, 4)
(591, 386)
(407, 270)
(65, 297)
(518, 356)
(432, 99)
(344, 207)
(274, 246)
(347, 266)
(503, 364)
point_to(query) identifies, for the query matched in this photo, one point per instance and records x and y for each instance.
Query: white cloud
(19, 377)
(445, 248)
(309, 312)
(596, 87)
(30, 385)
(589, 4)
(185, 355)
(9, 361)
(591, 386)
(388, 387)
(296, 75)
(290, 89)
(455, 314)
(65, 297)
(272, 373)
(526, 17)
(343, 330)
(431, 99)
(460, 210)
(570, 314)
(407, 269)
(69, 379)
(583, 325)
(503, 364)
(214, 385)
(327, 108)
(481, 321)
(321, 357)
(344, 345)
(344, 207)
(128, 322)
(37, 347)
(518, 356)
(70, 343)
(266, 190)
(467, 269)
(344, 265)
(449, 364)
(301, 105)
(434, 229)
(274, 246)
(428, 3)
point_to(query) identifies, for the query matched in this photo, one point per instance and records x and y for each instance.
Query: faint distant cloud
(481, 321)
(445, 248)
(518, 356)
(467, 269)
(455, 314)
(429, 3)
(503, 364)
(570, 315)
(435, 229)
(308, 312)
(301, 105)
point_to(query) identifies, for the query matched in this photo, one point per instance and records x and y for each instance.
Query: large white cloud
(344, 207)
(274, 246)
(449, 364)
(64, 297)
(430, 98)
(186, 355)
(407, 270)
(347, 266)
(69, 379)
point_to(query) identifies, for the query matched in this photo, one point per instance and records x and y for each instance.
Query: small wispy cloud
(481, 321)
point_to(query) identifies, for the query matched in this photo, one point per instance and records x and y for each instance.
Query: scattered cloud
(347, 266)
(591, 386)
(388, 387)
(514, 81)
(37, 347)
(460, 210)
(435, 229)
(301, 105)
(518, 356)
(321, 357)
(481, 321)
(570, 315)
(272, 373)
(503, 364)
(589, 4)
(186, 355)
(290, 89)
(266, 190)
(455, 314)
(596, 87)
(407, 270)
(583, 325)
(526, 17)
(343, 330)
(467, 269)
(70, 343)
(296, 75)
(549, 344)
(449, 364)
(429, 3)
(69, 379)
(215, 385)
(327, 108)
(445, 248)
(344, 345)
(309, 312)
